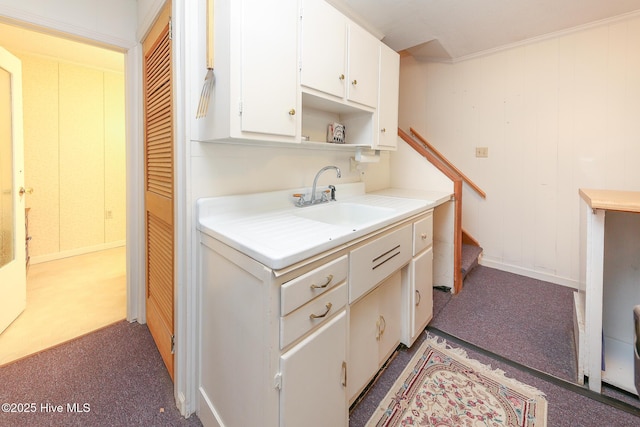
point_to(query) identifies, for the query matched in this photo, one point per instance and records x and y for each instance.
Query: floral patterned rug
(442, 387)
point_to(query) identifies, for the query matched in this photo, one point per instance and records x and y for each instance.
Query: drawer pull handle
(378, 261)
(319, 316)
(418, 297)
(424, 236)
(329, 279)
(344, 373)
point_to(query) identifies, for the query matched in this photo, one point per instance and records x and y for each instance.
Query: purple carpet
(523, 322)
(111, 377)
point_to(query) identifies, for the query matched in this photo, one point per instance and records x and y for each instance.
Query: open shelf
(319, 112)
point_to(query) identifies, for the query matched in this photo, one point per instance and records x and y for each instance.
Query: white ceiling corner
(468, 27)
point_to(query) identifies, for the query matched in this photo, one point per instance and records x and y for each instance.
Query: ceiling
(449, 30)
(22, 40)
(440, 30)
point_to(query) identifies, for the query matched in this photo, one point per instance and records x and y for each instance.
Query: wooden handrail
(457, 196)
(449, 164)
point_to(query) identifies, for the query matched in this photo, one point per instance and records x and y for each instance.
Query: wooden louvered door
(159, 185)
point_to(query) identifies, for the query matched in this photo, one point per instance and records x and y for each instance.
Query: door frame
(185, 380)
(133, 113)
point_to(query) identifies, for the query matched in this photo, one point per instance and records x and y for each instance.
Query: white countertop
(268, 226)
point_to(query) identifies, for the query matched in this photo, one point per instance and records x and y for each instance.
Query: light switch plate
(482, 151)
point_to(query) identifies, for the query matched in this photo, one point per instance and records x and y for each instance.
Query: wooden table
(609, 287)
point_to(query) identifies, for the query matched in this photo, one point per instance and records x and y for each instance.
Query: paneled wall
(74, 157)
(556, 115)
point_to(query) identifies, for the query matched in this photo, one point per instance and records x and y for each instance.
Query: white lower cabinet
(314, 376)
(297, 346)
(417, 289)
(421, 272)
(374, 332)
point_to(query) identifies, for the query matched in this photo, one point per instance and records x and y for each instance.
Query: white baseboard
(74, 252)
(570, 283)
(206, 412)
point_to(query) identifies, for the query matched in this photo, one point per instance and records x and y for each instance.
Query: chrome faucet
(312, 199)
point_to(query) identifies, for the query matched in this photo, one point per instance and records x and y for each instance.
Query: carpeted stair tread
(470, 255)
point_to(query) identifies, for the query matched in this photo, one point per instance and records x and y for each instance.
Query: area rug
(441, 387)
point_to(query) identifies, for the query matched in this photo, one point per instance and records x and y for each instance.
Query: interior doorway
(76, 281)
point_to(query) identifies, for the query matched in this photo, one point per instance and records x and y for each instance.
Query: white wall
(115, 20)
(557, 115)
(147, 11)
(74, 141)
(223, 169)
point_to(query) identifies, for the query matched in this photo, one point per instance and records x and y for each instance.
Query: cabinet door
(269, 67)
(388, 98)
(422, 298)
(363, 343)
(313, 377)
(390, 316)
(363, 67)
(323, 48)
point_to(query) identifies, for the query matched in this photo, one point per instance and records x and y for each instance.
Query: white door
(13, 286)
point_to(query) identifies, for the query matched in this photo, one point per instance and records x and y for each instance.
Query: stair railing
(450, 165)
(428, 151)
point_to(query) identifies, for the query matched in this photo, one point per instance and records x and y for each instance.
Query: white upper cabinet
(323, 52)
(269, 72)
(255, 96)
(388, 99)
(285, 70)
(338, 57)
(363, 57)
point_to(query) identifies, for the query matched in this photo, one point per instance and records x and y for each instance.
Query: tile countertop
(267, 227)
(613, 200)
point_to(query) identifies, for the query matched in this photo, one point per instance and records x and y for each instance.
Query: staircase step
(470, 257)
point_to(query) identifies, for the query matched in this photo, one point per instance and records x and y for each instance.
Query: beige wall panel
(81, 157)
(114, 161)
(40, 97)
(557, 115)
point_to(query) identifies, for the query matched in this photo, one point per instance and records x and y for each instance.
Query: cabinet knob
(341, 77)
(292, 112)
(383, 130)
(354, 82)
(424, 236)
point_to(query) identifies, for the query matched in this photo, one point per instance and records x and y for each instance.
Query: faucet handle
(332, 189)
(300, 197)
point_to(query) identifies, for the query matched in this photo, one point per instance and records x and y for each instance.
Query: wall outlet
(482, 151)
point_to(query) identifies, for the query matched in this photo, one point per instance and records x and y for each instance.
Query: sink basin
(345, 214)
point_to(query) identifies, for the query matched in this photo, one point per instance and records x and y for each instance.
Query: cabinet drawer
(422, 234)
(307, 317)
(373, 262)
(302, 289)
